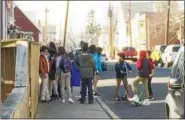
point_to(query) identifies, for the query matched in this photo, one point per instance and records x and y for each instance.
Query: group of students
(145, 69)
(55, 72)
(88, 60)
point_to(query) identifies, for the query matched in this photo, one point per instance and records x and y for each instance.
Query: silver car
(174, 102)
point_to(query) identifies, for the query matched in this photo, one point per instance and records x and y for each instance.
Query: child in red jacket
(144, 67)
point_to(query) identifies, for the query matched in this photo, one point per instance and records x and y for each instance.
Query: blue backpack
(65, 64)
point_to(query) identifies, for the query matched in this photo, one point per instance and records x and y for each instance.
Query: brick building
(149, 29)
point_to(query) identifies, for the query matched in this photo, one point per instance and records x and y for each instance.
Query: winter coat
(43, 65)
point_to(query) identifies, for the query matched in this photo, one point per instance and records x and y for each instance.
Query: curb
(111, 114)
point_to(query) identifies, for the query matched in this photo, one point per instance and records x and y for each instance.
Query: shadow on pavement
(125, 109)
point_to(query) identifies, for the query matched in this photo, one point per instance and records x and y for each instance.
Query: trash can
(75, 76)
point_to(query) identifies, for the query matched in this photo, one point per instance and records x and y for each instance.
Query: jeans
(87, 82)
(149, 86)
(66, 82)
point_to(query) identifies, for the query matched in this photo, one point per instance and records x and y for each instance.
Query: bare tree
(73, 40)
(93, 29)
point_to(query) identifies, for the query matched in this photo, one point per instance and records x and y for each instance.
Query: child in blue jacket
(122, 68)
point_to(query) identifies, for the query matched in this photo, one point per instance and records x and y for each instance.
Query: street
(124, 109)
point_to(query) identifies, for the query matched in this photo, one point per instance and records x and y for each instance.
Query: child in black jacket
(122, 68)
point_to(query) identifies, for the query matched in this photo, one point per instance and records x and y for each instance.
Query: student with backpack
(86, 65)
(121, 69)
(65, 81)
(144, 67)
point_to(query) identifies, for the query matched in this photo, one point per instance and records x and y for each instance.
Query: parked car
(105, 57)
(130, 53)
(174, 102)
(156, 54)
(169, 55)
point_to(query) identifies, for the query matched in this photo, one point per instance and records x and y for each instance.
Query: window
(162, 48)
(168, 49)
(178, 70)
(175, 49)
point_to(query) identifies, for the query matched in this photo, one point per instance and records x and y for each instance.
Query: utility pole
(167, 23)
(130, 24)
(46, 25)
(66, 21)
(110, 30)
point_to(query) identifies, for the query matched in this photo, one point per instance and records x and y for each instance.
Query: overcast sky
(77, 12)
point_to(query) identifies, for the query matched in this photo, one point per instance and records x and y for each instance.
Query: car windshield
(162, 48)
(177, 69)
(175, 49)
(125, 48)
(129, 48)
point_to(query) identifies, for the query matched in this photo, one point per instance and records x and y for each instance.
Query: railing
(20, 78)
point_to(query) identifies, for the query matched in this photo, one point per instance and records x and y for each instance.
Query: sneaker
(91, 102)
(49, 100)
(135, 98)
(151, 98)
(80, 99)
(146, 102)
(71, 100)
(96, 94)
(82, 102)
(63, 100)
(118, 99)
(125, 98)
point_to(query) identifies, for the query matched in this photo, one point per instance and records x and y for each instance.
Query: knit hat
(121, 54)
(142, 54)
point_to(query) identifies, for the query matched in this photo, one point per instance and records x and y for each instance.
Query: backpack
(65, 64)
(145, 71)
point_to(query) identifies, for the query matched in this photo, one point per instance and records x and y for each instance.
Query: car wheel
(167, 111)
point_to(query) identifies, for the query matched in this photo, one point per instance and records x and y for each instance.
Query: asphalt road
(124, 110)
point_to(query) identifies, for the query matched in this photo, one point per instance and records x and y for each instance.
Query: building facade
(7, 14)
(148, 29)
(25, 24)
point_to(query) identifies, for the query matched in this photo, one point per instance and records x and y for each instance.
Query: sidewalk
(56, 109)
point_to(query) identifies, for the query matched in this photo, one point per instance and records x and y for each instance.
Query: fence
(20, 76)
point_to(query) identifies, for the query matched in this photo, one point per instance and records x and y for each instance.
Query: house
(137, 8)
(25, 24)
(149, 29)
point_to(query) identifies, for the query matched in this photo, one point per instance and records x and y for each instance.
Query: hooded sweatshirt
(143, 65)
